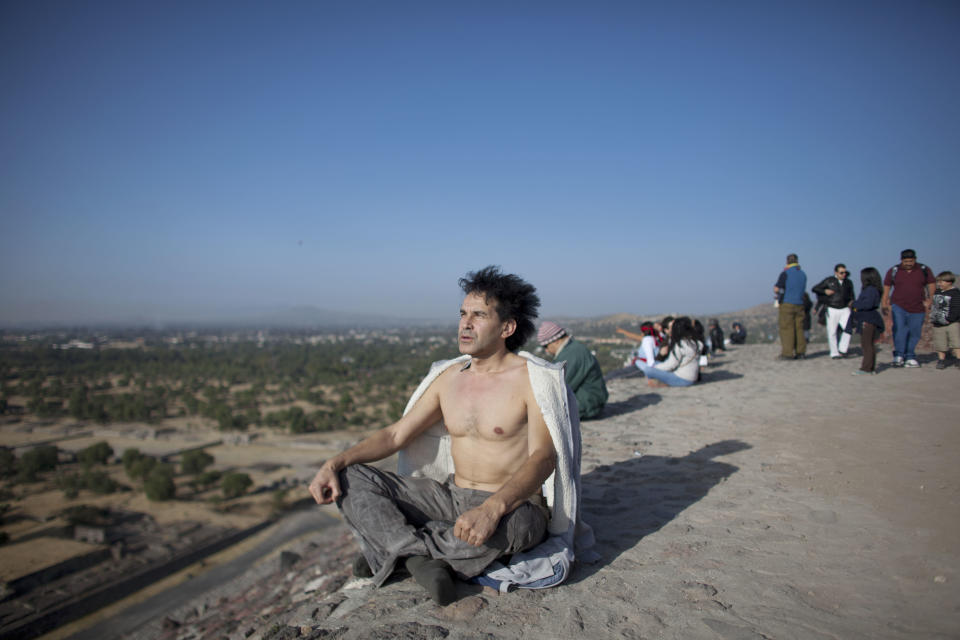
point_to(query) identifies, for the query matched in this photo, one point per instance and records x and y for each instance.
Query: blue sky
(186, 160)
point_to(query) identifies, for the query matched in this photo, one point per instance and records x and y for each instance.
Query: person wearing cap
(582, 372)
(913, 286)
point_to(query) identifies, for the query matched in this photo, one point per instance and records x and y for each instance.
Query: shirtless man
(501, 448)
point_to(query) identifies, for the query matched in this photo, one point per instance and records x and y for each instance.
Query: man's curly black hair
(513, 299)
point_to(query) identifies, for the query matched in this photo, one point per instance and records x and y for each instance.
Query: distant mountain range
(306, 316)
(311, 317)
(761, 314)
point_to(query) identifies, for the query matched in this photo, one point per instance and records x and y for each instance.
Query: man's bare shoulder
(508, 380)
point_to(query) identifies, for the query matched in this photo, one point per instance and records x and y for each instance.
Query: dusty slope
(777, 499)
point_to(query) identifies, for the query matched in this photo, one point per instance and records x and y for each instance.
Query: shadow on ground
(630, 499)
(632, 403)
(717, 375)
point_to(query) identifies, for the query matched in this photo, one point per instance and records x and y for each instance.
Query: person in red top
(913, 286)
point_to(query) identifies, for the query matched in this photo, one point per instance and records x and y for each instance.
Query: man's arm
(887, 286)
(821, 288)
(780, 284)
(325, 487)
(578, 366)
(477, 525)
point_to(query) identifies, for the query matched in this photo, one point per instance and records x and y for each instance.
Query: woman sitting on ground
(647, 351)
(663, 328)
(681, 368)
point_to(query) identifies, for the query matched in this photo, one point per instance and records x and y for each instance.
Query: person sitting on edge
(715, 335)
(701, 335)
(645, 355)
(663, 327)
(582, 371)
(479, 416)
(501, 447)
(649, 339)
(681, 367)
(738, 335)
(649, 344)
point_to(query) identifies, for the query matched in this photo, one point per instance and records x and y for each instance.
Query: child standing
(866, 319)
(945, 316)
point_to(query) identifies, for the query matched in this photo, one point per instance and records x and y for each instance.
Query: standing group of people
(908, 291)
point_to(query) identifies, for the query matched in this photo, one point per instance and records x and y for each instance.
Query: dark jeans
(906, 332)
(867, 333)
(397, 517)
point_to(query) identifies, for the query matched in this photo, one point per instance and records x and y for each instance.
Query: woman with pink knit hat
(582, 372)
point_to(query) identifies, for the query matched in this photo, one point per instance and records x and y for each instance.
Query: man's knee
(526, 527)
(354, 479)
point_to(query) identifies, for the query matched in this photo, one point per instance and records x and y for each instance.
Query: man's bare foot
(655, 383)
(434, 576)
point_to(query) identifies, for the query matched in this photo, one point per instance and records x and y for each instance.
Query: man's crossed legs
(395, 517)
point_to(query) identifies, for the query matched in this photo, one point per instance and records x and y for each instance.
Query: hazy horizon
(189, 160)
(297, 317)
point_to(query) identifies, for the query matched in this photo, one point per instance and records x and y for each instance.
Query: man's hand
(325, 487)
(476, 526)
(829, 292)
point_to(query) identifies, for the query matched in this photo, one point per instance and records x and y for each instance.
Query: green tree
(141, 469)
(297, 420)
(8, 462)
(99, 482)
(136, 464)
(205, 480)
(235, 484)
(98, 453)
(159, 484)
(39, 459)
(130, 456)
(395, 410)
(70, 484)
(278, 501)
(193, 462)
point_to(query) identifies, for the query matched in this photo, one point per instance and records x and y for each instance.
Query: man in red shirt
(913, 287)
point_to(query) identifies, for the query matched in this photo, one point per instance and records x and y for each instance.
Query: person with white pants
(836, 292)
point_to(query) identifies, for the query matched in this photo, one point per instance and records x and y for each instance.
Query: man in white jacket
(501, 447)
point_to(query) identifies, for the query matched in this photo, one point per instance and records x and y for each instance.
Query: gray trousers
(395, 517)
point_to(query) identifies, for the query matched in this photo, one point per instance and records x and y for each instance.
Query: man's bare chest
(484, 407)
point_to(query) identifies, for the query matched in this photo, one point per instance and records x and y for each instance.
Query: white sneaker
(911, 364)
(898, 361)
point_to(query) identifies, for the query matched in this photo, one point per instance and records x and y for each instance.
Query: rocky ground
(774, 500)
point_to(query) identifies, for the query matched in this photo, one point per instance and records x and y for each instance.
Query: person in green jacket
(582, 374)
